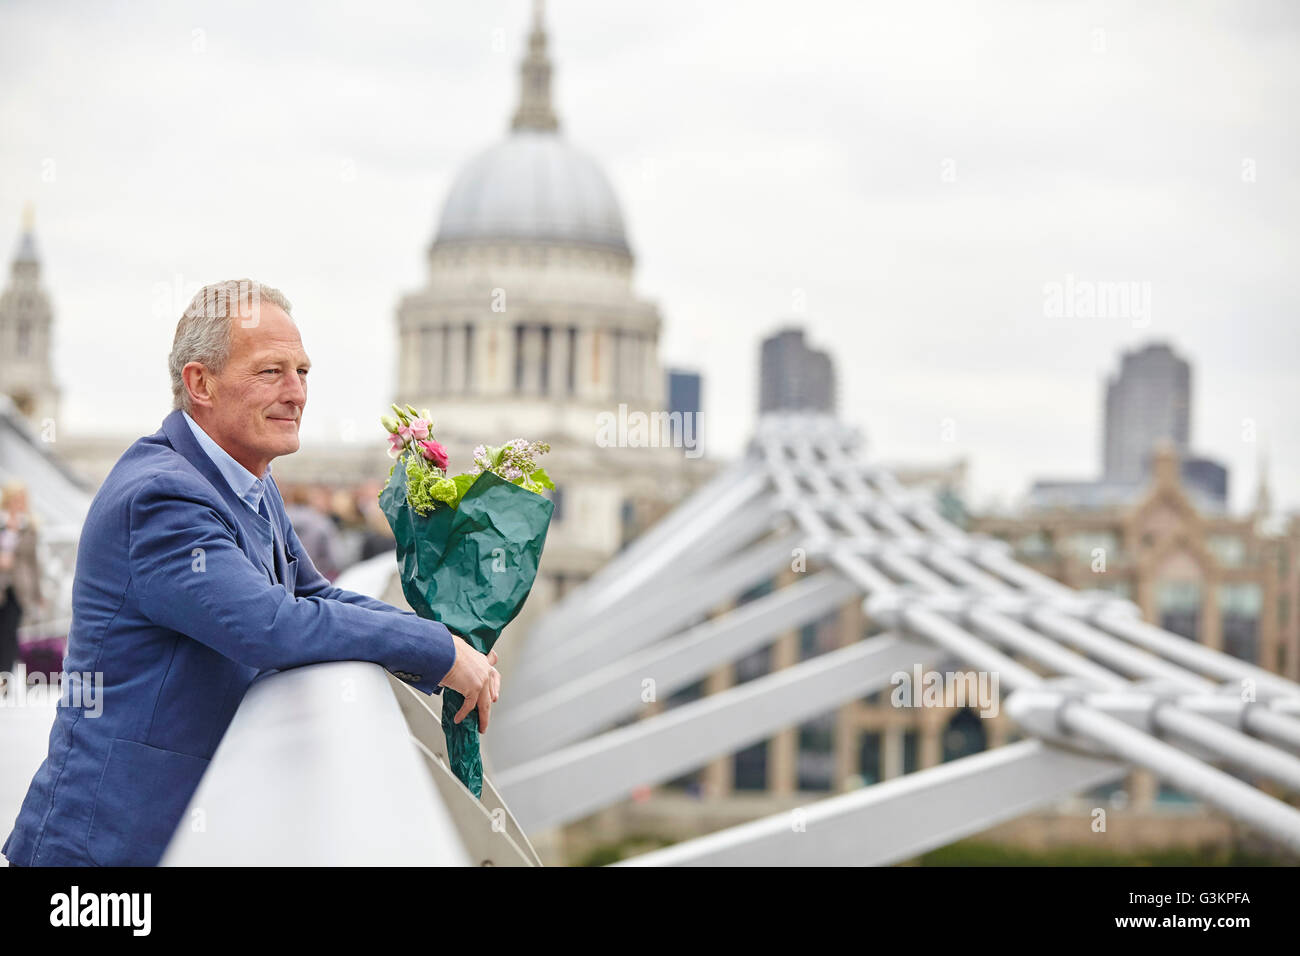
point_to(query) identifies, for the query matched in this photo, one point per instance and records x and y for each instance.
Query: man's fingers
(492, 657)
(484, 708)
(496, 685)
(465, 708)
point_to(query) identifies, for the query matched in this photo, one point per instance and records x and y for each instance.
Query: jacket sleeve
(189, 574)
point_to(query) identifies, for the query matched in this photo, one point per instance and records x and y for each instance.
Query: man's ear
(199, 384)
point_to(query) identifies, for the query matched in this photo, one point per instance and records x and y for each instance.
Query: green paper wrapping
(470, 568)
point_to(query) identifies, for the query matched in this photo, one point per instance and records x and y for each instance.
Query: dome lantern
(535, 110)
(535, 185)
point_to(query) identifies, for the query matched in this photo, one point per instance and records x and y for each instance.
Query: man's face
(258, 398)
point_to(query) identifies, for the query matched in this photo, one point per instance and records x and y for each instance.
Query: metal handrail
(339, 764)
(322, 767)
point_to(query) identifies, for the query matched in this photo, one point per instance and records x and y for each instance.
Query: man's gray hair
(206, 328)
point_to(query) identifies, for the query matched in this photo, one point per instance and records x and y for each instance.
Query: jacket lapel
(275, 506)
(256, 538)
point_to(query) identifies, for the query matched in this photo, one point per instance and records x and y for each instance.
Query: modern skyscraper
(683, 402)
(1148, 404)
(794, 377)
(1149, 400)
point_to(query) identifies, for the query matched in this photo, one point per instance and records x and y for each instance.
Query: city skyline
(933, 270)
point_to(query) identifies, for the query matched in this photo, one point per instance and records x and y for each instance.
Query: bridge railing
(341, 764)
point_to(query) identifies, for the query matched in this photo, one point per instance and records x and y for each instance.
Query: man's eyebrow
(280, 358)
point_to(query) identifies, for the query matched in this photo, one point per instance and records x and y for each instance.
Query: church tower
(26, 327)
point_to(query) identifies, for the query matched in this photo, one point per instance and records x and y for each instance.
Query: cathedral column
(653, 379)
(431, 337)
(595, 370)
(635, 368)
(408, 363)
(455, 359)
(472, 371)
(559, 361)
(532, 356)
(494, 353)
(632, 367)
(617, 378)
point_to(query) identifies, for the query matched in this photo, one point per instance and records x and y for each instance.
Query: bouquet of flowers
(468, 546)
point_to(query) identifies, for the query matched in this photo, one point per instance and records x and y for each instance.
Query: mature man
(190, 584)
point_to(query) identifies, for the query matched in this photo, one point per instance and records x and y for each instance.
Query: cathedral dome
(533, 185)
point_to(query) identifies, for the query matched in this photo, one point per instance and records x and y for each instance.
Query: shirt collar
(247, 486)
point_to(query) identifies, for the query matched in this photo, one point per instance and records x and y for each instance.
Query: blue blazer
(181, 599)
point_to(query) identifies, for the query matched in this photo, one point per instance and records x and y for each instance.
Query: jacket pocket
(141, 797)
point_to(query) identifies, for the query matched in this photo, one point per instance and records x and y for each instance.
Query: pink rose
(395, 444)
(434, 451)
(419, 428)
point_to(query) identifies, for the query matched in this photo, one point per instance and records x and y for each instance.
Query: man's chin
(287, 445)
(284, 437)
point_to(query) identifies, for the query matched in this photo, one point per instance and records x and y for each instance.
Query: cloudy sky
(907, 180)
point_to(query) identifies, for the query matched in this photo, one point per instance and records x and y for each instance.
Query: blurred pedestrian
(377, 535)
(20, 570)
(316, 530)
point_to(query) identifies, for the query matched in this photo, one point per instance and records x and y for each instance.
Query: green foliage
(426, 487)
(984, 853)
(630, 846)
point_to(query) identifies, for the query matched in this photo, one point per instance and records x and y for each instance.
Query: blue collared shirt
(247, 486)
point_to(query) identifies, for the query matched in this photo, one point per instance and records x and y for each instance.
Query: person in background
(377, 535)
(20, 572)
(348, 520)
(315, 528)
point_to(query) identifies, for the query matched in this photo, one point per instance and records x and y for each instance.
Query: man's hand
(473, 676)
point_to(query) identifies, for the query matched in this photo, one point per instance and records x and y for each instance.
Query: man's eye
(271, 370)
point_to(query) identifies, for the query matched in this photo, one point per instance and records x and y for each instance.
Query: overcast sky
(915, 176)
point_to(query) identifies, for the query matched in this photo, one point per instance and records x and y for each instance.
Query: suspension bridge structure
(1094, 689)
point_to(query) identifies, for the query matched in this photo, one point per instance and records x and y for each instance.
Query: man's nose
(295, 392)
